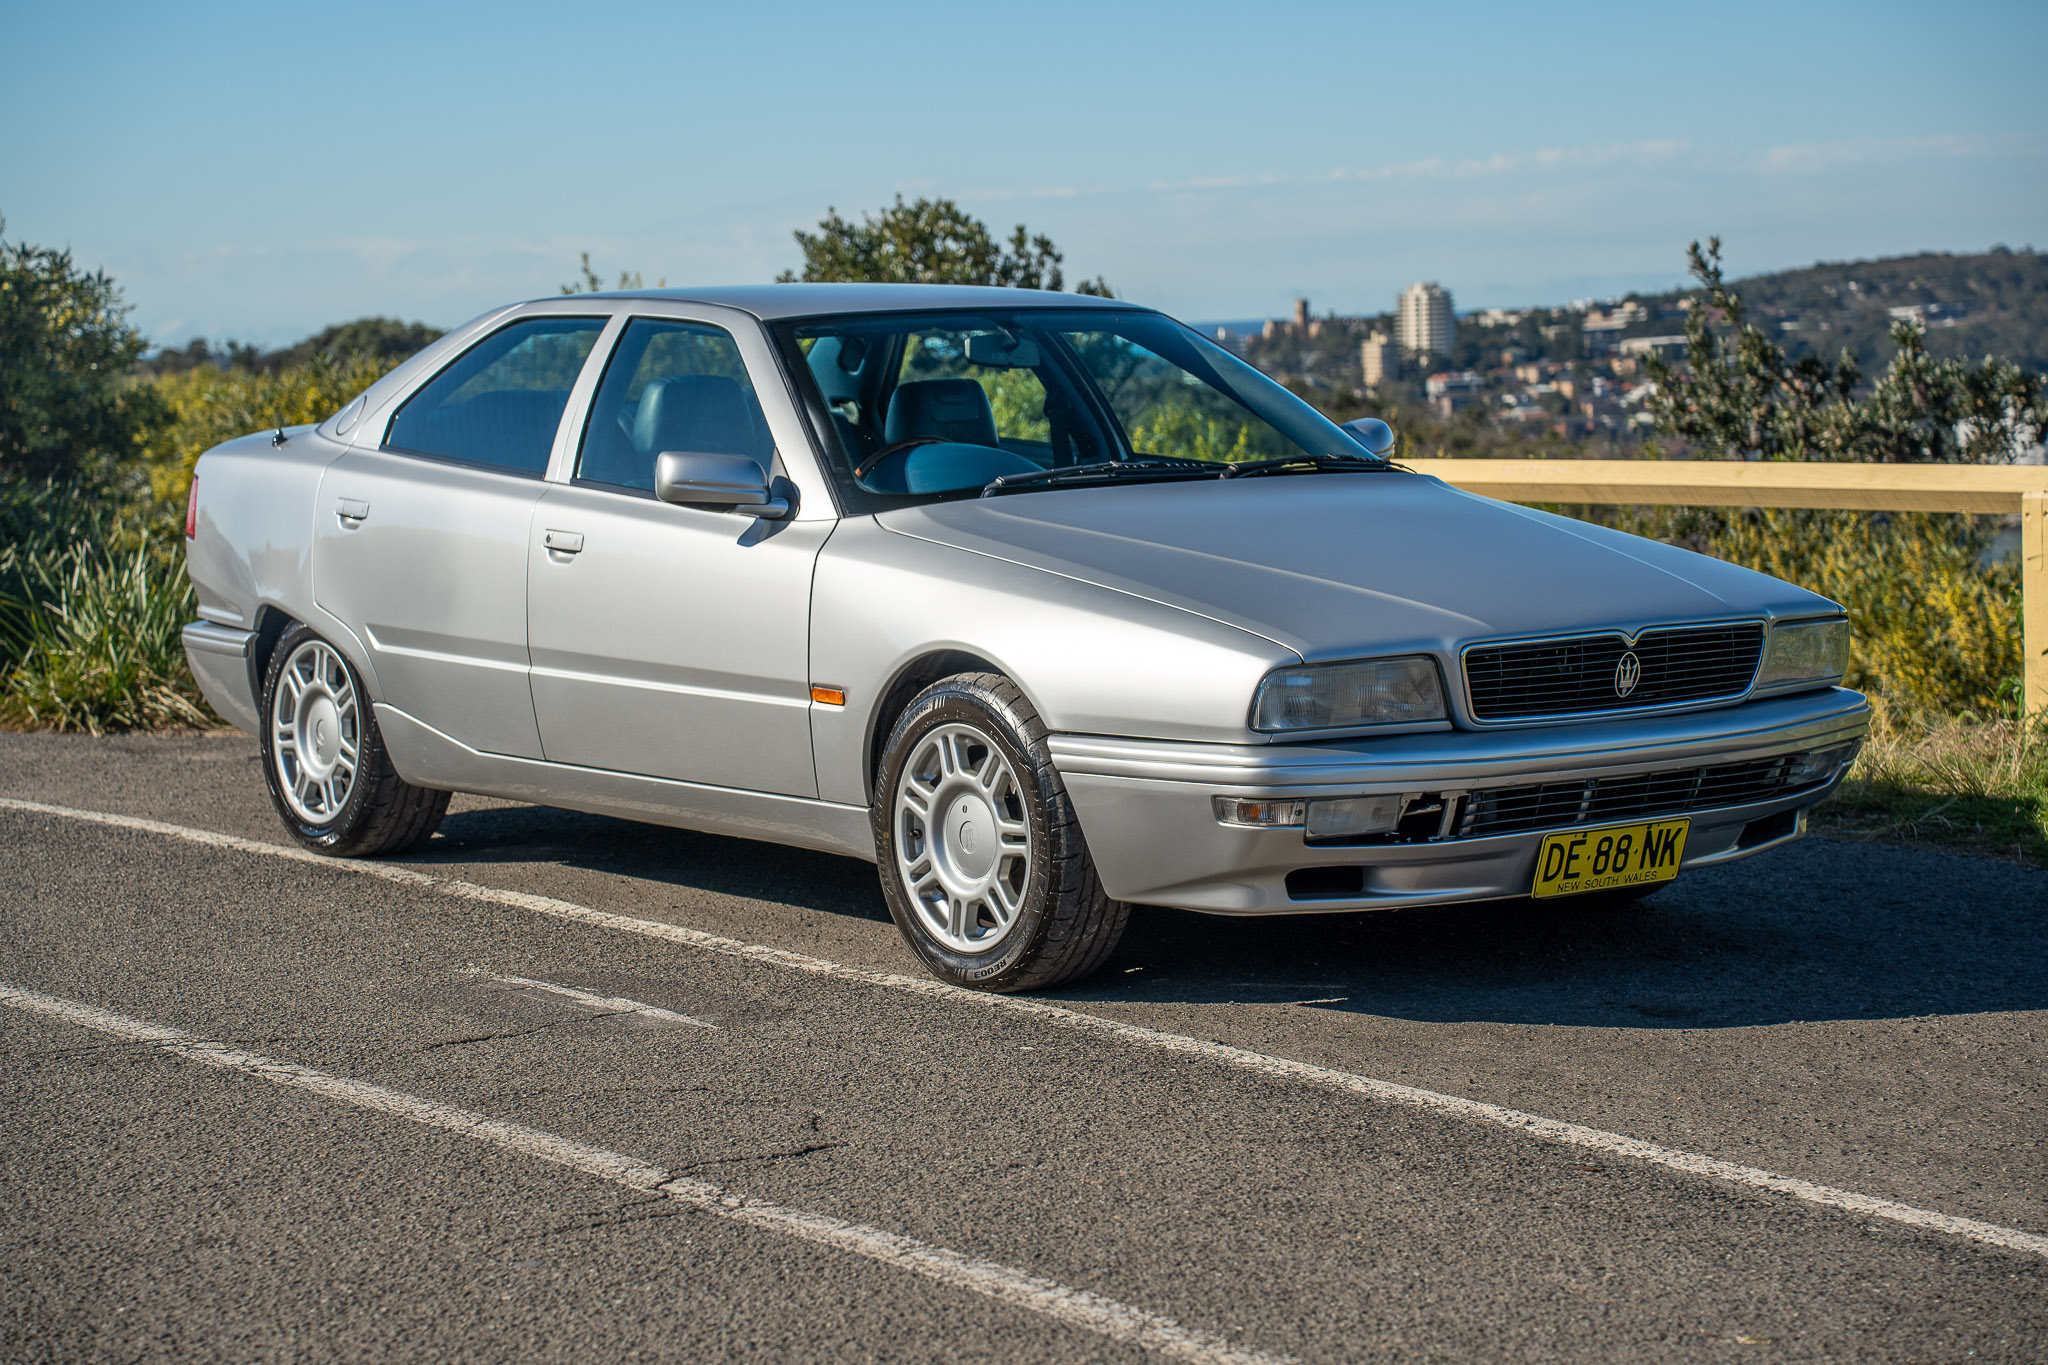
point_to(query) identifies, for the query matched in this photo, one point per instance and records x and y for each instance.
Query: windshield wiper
(1335, 464)
(1102, 470)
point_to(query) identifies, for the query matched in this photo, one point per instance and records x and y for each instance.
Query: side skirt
(427, 758)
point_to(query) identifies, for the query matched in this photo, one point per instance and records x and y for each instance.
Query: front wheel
(324, 760)
(982, 859)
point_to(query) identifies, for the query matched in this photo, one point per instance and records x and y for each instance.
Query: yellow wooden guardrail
(1860, 487)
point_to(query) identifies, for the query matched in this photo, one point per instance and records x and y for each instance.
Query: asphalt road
(1867, 1019)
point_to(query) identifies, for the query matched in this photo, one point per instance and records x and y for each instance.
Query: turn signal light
(1238, 810)
(829, 696)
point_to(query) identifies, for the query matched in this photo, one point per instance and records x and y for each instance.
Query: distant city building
(1301, 315)
(1616, 317)
(1452, 390)
(1381, 359)
(1423, 321)
(1930, 314)
(1649, 345)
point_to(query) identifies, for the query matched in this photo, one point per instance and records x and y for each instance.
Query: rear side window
(500, 402)
(670, 386)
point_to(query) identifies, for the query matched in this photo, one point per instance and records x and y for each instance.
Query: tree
(1739, 396)
(931, 241)
(67, 403)
(591, 284)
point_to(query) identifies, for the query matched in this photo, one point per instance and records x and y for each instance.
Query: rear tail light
(192, 510)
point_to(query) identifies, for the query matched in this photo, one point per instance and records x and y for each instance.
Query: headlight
(1402, 691)
(1805, 652)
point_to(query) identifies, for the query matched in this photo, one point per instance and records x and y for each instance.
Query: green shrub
(93, 595)
(1937, 632)
(67, 403)
(206, 405)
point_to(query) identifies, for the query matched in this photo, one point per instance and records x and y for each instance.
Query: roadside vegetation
(1936, 616)
(1971, 785)
(98, 441)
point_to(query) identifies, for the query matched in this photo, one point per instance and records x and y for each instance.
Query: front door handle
(564, 542)
(351, 511)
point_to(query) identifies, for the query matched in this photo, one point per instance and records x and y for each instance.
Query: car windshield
(925, 406)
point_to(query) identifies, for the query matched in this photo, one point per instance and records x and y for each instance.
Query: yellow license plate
(1613, 855)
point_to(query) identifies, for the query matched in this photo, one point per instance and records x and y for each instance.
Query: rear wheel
(982, 860)
(324, 759)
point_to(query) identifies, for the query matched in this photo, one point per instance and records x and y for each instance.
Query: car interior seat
(949, 409)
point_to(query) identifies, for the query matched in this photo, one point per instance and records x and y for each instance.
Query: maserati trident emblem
(1627, 674)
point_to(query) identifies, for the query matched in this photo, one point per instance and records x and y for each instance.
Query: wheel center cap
(321, 735)
(970, 837)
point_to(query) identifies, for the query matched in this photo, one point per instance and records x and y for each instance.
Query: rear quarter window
(499, 403)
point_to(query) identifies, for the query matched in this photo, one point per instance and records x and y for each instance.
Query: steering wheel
(865, 467)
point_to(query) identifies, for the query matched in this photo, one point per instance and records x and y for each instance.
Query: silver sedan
(1045, 604)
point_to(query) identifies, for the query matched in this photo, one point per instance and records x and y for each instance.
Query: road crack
(792, 1155)
(523, 1032)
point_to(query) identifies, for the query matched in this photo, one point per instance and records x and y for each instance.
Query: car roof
(771, 301)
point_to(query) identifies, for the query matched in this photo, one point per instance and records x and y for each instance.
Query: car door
(671, 641)
(420, 541)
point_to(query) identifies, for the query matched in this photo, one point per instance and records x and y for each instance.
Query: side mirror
(716, 482)
(1370, 432)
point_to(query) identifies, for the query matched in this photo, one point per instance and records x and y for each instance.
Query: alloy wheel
(316, 732)
(963, 838)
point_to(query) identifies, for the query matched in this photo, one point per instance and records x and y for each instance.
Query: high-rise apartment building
(1381, 359)
(1422, 320)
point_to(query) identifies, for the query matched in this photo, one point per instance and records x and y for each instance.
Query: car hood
(1330, 564)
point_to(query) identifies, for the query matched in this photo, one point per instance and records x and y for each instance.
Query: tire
(324, 760)
(966, 762)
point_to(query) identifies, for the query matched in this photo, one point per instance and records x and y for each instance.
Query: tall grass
(1980, 785)
(93, 595)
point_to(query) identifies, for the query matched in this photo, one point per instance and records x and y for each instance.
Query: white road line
(1275, 1068)
(610, 1004)
(1074, 1307)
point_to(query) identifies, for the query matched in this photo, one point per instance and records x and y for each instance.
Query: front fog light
(1819, 766)
(1240, 810)
(1812, 652)
(1403, 691)
(1354, 815)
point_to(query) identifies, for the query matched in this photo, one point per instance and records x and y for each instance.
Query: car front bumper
(1147, 806)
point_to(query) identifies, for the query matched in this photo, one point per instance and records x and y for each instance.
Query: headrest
(696, 412)
(950, 409)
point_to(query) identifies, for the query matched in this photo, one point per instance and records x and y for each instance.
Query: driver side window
(670, 386)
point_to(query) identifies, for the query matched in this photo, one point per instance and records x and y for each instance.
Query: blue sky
(257, 171)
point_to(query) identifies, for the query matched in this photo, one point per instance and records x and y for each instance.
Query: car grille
(1600, 800)
(1584, 674)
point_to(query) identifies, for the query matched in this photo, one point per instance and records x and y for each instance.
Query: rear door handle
(351, 510)
(564, 542)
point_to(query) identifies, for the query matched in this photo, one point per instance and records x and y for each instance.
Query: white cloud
(1813, 156)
